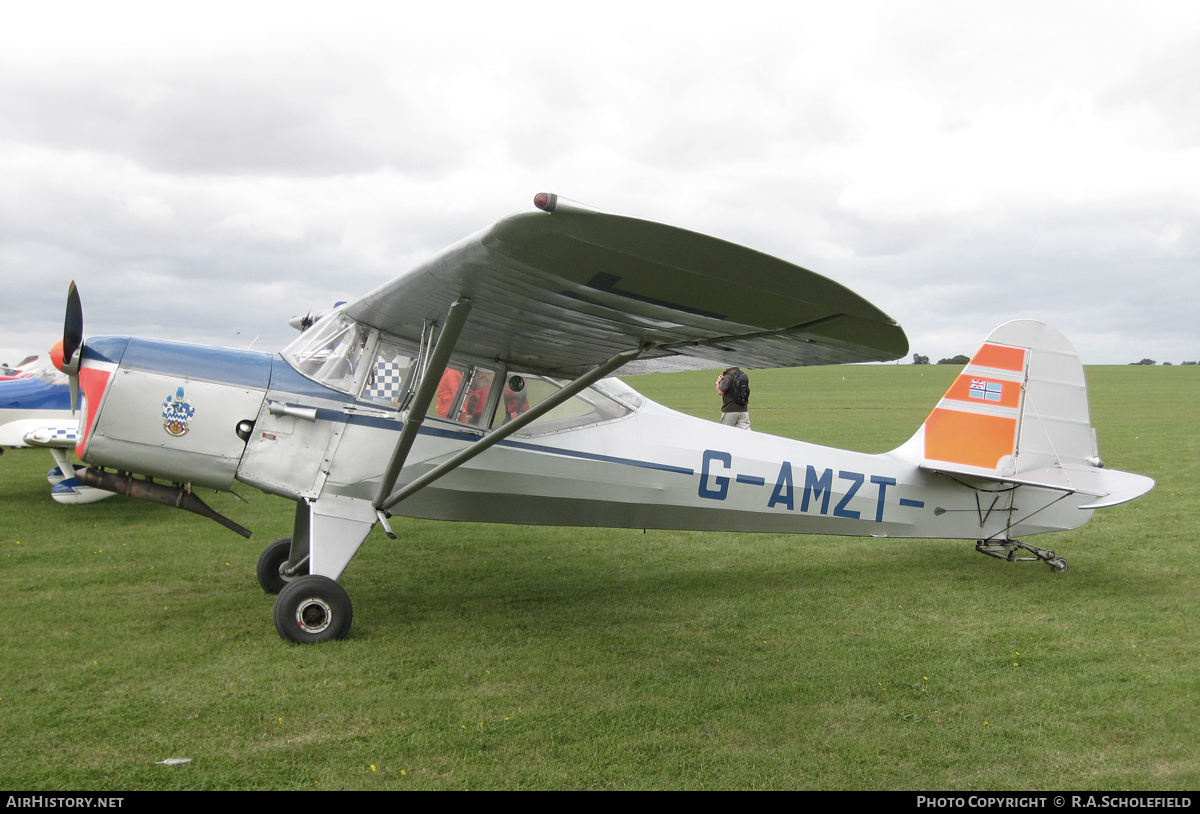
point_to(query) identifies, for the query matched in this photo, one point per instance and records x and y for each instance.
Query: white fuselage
(652, 468)
(639, 466)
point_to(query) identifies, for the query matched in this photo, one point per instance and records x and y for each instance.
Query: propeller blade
(72, 330)
(66, 354)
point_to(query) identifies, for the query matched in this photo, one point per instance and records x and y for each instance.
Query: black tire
(312, 609)
(271, 561)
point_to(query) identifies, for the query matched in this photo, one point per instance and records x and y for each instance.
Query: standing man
(734, 387)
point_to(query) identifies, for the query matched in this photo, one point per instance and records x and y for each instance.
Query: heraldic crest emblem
(176, 414)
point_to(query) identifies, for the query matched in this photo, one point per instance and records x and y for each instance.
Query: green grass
(514, 657)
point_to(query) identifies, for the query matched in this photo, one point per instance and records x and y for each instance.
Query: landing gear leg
(1007, 550)
(273, 569)
(312, 607)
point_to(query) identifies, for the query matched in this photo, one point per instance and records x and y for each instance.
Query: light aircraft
(26, 368)
(35, 411)
(476, 387)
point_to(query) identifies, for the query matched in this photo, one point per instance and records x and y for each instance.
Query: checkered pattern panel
(59, 433)
(389, 376)
(65, 433)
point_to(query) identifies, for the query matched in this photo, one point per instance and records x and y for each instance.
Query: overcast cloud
(205, 174)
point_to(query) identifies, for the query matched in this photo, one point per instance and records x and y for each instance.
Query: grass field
(515, 657)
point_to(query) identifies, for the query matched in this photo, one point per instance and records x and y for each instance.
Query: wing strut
(456, 318)
(496, 436)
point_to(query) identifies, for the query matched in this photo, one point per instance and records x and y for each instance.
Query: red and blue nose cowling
(163, 409)
(95, 364)
(167, 409)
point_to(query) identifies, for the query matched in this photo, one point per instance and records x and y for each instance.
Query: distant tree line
(918, 359)
(956, 360)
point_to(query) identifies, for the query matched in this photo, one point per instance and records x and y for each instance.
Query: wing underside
(560, 292)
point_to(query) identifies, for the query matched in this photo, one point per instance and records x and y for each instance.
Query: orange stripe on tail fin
(1002, 357)
(970, 439)
(977, 421)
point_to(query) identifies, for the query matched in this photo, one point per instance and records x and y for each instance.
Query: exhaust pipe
(175, 496)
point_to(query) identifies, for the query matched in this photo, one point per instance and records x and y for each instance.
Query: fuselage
(608, 457)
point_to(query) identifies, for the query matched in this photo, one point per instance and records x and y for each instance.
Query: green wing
(559, 292)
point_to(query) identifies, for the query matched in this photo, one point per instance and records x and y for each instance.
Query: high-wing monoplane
(477, 386)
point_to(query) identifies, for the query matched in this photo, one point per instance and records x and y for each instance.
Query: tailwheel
(273, 571)
(312, 609)
(1008, 549)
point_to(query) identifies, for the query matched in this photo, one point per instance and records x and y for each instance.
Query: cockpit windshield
(331, 351)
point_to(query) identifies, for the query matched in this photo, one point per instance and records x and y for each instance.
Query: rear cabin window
(521, 392)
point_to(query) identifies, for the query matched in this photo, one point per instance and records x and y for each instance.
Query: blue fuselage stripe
(592, 456)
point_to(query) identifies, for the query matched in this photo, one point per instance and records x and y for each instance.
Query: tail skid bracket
(1007, 550)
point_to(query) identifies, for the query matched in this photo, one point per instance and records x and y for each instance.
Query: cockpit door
(330, 383)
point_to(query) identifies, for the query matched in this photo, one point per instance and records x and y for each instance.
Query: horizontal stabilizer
(1119, 487)
(1109, 486)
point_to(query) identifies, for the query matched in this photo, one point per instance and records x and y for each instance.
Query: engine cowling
(167, 409)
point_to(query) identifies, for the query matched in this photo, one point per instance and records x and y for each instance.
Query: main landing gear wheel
(270, 566)
(313, 609)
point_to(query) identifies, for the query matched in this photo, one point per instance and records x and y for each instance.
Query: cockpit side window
(387, 379)
(464, 395)
(448, 389)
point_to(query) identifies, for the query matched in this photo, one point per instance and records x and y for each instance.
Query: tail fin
(1018, 412)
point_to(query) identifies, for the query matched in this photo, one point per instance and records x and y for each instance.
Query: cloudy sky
(206, 173)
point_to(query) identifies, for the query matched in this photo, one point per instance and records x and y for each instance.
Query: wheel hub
(313, 615)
